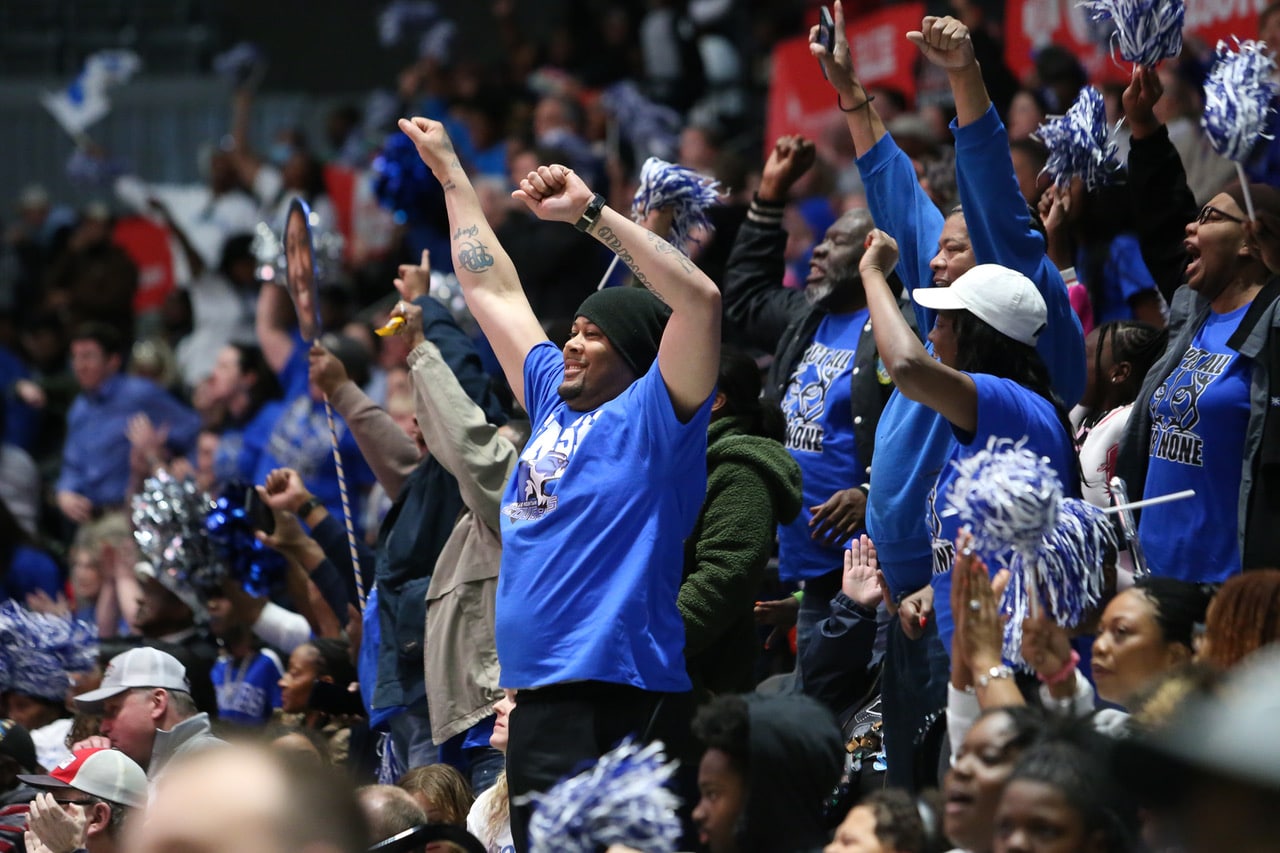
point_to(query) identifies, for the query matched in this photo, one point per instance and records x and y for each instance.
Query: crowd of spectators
(505, 518)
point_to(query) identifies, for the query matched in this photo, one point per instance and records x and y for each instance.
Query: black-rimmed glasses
(1209, 213)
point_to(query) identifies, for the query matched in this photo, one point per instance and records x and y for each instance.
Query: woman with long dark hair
(1205, 417)
(984, 377)
(243, 383)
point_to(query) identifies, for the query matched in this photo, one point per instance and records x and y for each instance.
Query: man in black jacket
(826, 372)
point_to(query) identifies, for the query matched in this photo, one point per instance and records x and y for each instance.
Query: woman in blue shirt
(983, 376)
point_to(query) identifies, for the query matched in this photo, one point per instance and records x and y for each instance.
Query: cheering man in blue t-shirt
(608, 486)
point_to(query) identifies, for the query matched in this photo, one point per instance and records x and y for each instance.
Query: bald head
(247, 800)
(389, 811)
(834, 282)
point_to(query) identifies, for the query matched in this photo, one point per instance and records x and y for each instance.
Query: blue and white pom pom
(1080, 143)
(653, 129)
(687, 194)
(1007, 495)
(1146, 31)
(623, 800)
(1012, 499)
(39, 650)
(1237, 98)
(169, 529)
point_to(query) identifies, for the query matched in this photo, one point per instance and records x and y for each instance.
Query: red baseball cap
(107, 774)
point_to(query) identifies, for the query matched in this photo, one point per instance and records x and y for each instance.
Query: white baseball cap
(141, 667)
(105, 773)
(1002, 298)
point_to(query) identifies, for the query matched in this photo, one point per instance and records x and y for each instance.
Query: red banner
(1032, 24)
(148, 245)
(800, 101)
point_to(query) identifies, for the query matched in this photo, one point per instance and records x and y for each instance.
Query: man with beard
(826, 372)
(608, 486)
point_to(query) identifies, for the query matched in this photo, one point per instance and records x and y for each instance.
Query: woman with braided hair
(1120, 354)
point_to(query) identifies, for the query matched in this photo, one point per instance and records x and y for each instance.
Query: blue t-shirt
(593, 525)
(820, 438)
(249, 691)
(300, 440)
(240, 448)
(1125, 276)
(1005, 410)
(1199, 419)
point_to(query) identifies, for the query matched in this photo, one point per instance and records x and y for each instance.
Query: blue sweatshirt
(913, 442)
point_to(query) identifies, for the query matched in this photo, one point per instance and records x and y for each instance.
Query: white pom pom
(1146, 31)
(1237, 98)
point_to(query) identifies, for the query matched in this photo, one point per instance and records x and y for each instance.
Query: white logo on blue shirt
(542, 464)
(1175, 411)
(806, 399)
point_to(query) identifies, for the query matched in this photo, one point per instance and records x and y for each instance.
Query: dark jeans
(557, 731)
(913, 686)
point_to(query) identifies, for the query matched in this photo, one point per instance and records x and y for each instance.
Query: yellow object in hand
(393, 327)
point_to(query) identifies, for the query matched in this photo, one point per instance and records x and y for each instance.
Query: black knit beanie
(632, 319)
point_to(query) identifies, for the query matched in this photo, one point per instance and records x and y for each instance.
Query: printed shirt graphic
(593, 526)
(1005, 410)
(820, 438)
(247, 693)
(1199, 418)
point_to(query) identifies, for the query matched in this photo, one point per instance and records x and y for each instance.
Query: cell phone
(826, 34)
(826, 29)
(259, 514)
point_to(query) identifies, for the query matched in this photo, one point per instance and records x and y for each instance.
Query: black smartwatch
(309, 507)
(591, 215)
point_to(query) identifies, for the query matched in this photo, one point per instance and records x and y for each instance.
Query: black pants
(557, 731)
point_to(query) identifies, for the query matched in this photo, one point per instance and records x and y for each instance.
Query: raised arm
(454, 427)
(865, 125)
(391, 454)
(916, 374)
(754, 297)
(273, 325)
(485, 271)
(946, 43)
(1157, 183)
(689, 355)
(897, 202)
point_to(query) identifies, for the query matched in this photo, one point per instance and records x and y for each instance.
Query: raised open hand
(861, 581)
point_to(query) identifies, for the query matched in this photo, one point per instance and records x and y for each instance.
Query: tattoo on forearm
(665, 248)
(611, 239)
(473, 256)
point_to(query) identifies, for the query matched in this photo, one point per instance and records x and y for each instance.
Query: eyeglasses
(1209, 213)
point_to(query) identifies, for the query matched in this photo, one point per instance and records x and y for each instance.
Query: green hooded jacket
(753, 485)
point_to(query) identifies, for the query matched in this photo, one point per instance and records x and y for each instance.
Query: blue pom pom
(652, 129)
(38, 650)
(1146, 31)
(1238, 98)
(621, 800)
(257, 567)
(1080, 144)
(402, 183)
(1007, 495)
(686, 193)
